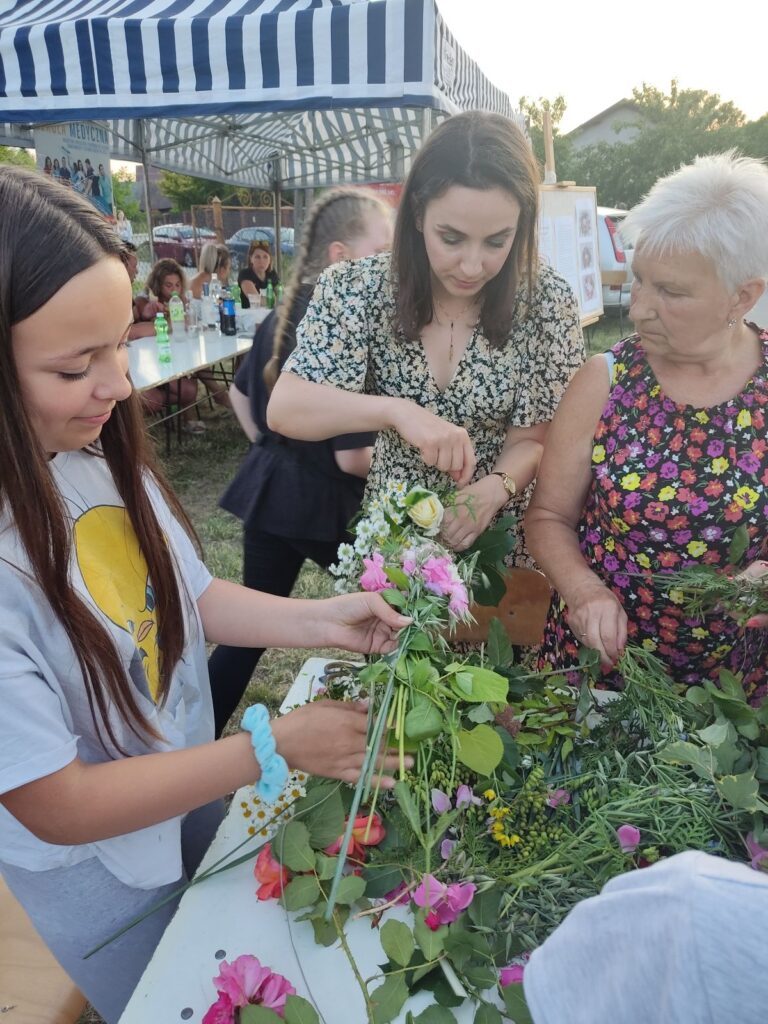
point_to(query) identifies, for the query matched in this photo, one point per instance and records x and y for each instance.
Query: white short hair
(717, 207)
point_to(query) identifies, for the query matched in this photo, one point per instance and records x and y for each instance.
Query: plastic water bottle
(176, 310)
(270, 296)
(161, 336)
(210, 310)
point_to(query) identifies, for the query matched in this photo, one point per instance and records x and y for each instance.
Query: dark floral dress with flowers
(671, 484)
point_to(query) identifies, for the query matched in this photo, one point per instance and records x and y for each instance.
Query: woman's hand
(598, 620)
(756, 571)
(473, 512)
(329, 738)
(359, 622)
(441, 444)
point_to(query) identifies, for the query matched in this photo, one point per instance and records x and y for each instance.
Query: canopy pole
(139, 127)
(277, 220)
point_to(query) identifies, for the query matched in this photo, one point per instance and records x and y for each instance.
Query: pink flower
(409, 562)
(399, 895)
(629, 838)
(439, 575)
(447, 847)
(245, 982)
(444, 902)
(221, 1012)
(511, 975)
(758, 853)
(365, 832)
(374, 577)
(271, 874)
(459, 602)
(465, 797)
(557, 797)
(441, 802)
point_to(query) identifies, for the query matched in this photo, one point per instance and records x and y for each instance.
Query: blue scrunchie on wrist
(274, 770)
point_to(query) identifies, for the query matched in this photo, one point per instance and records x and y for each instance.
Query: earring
(732, 322)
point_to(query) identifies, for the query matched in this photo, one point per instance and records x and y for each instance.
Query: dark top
(248, 274)
(286, 487)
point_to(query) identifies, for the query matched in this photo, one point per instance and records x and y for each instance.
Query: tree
(185, 191)
(125, 200)
(533, 110)
(19, 157)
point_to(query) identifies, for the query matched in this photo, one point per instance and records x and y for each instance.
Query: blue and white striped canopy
(307, 92)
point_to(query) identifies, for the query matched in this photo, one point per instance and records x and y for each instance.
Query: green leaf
(396, 576)
(486, 686)
(487, 1014)
(738, 546)
(430, 943)
(408, 806)
(480, 749)
(445, 995)
(480, 976)
(325, 931)
(423, 722)
(732, 685)
(394, 597)
(322, 811)
(381, 880)
(435, 1015)
(419, 642)
(258, 1015)
(714, 734)
(299, 1011)
(499, 649)
(740, 791)
(423, 673)
(325, 866)
(492, 590)
(303, 891)
(351, 888)
(701, 759)
(291, 847)
(397, 942)
(484, 909)
(514, 1000)
(761, 771)
(388, 999)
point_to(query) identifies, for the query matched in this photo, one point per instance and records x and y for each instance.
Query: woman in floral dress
(658, 453)
(458, 346)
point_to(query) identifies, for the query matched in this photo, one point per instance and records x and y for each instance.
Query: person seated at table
(214, 259)
(657, 457)
(254, 278)
(111, 784)
(282, 528)
(165, 278)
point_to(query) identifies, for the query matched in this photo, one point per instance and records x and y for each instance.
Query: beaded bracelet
(274, 770)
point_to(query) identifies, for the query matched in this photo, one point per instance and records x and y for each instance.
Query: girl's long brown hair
(339, 215)
(480, 151)
(48, 235)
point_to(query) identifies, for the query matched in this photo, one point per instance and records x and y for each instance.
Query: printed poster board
(568, 242)
(77, 155)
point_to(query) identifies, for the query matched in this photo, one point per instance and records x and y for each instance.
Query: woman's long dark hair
(480, 151)
(47, 236)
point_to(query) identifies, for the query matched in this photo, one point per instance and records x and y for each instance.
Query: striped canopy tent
(261, 93)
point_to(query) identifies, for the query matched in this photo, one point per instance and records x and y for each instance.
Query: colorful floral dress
(347, 339)
(671, 484)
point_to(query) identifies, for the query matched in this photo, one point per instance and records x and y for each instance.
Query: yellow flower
(643, 560)
(598, 453)
(619, 525)
(667, 493)
(654, 391)
(514, 840)
(746, 498)
(701, 416)
(489, 794)
(699, 633)
(610, 544)
(719, 465)
(676, 596)
(649, 644)
(428, 514)
(696, 548)
(630, 481)
(744, 419)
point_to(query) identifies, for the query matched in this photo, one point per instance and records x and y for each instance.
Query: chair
(34, 989)
(522, 611)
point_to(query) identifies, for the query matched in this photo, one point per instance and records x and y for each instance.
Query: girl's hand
(598, 620)
(473, 512)
(360, 622)
(151, 309)
(756, 571)
(329, 738)
(441, 444)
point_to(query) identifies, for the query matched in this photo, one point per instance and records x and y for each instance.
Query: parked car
(180, 242)
(614, 258)
(239, 242)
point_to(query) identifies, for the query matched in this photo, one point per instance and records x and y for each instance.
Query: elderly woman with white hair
(657, 454)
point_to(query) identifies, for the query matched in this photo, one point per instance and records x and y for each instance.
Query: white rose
(428, 514)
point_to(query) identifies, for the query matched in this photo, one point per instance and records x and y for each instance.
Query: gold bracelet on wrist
(509, 484)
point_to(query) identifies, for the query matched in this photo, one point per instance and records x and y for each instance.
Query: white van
(614, 258)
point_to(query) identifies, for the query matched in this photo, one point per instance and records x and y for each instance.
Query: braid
(340, 215)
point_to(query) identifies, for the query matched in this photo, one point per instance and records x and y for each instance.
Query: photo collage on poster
(77, 155)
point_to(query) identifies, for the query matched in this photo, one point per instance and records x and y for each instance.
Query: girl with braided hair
(295, 498)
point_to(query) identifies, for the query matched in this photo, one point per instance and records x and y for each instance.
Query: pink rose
(511, 975)
(459, 602)
(439, 575)
(245, 982)
(629, 838)
(374, 577)
(444, 902)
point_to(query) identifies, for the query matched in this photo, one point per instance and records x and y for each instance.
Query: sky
(596, 53)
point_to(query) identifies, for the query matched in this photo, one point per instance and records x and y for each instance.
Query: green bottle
(270, 296)
(161, 336)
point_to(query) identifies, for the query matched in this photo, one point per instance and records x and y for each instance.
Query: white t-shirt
(682, 942)
(45, 721)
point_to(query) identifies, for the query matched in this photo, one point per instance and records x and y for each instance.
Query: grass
(199, 471)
